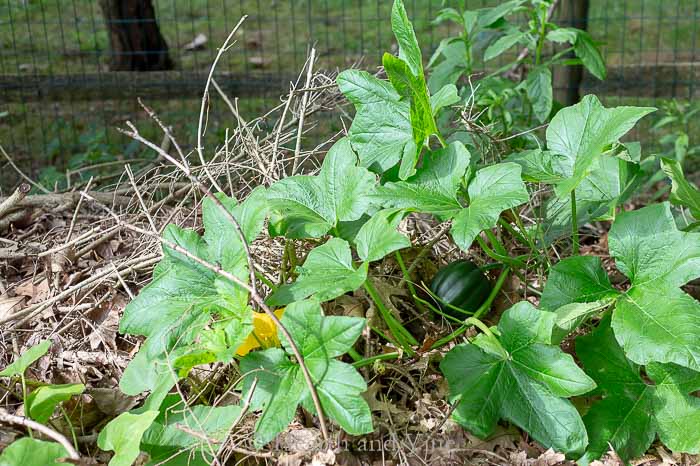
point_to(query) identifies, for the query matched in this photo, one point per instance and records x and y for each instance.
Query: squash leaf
(682, 192)
(123, 436)
(42, 401)
(26, 359)
(185, 297)
(652, 320)
(378, 236)
(632, 412)
(582, 132)
(28, 451)
(434, 188)
(178, 432)
(381, 129)
(281, 386)
(327, 273)
(309, 206)
(520, 378)
(494, 189)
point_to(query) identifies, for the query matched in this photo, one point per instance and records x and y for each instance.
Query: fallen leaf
(7, 304)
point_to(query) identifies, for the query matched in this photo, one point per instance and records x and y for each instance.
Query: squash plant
(397, 160)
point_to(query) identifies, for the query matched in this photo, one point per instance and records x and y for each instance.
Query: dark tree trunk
(567, 79)
(135, 39)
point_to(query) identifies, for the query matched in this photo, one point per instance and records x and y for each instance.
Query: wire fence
(59, 97)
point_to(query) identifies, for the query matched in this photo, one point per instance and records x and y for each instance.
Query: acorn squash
(460, 284)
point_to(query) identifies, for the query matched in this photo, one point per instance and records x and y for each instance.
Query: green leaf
(184, 297)
(563, 35)
(538, 166)
(448, 14)
(677, 413)
(170, 435)
(123, 436)
(309, 206)
(488, 16)
(570, 316)
(654, 319)
(682, 192)
(523, 382)
(622, 419)
(539, 91)
(28, 451)
(382, 127)
(280, 384)
(631, 411)
(583, 131)
(452, 51)
(446, 96)
(414, 89)
(26, 359)
(409, 51)
(327, 273)
(434, 188)
(493, 190)
(378, 237)
(590, 56)
(578, 279)
(503, 44)
(42, 401)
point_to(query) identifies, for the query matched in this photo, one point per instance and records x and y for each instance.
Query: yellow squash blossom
(264, 333)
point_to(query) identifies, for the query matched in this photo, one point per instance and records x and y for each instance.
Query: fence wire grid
(59, 98)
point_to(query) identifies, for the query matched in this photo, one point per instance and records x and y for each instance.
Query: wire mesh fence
(59, 95)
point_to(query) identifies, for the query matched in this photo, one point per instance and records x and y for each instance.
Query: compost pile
(273, 298)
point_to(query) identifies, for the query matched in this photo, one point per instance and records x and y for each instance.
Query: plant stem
(378, 357)
(514, 262)
(404, 337)
(574, 223)
(354, 355)
(24, 400)
(494, 292)
(407, 279)
(264, 279)
(438, 311)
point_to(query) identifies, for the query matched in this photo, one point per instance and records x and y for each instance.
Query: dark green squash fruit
(462, 285)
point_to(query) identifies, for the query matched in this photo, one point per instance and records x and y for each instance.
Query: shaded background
(60, 101)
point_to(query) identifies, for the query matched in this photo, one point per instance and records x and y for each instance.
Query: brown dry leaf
(111, 401)
(300, 440)
(349, 306)
(7, 304)
(323, 458)
(549, 458)
(36, 293)
(106, 322)
(376, 404)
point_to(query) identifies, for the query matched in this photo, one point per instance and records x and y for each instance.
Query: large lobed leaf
(436, 189)
(176, 307)
(521, 378)
(632, 412)
(327, 273)
(280, 385)
(28, 451)
(583, 131)
(494, 189)
(310, 206)
(653, 320)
